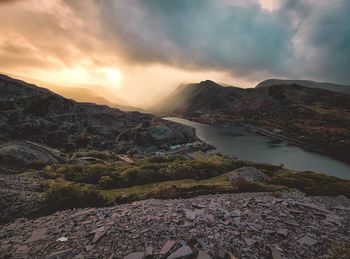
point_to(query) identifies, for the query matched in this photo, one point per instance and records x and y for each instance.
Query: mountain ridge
(314, 117)
(31, 113)
(82, 94)
(307, 83)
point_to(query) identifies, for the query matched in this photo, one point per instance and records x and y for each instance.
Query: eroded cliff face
(247, 225)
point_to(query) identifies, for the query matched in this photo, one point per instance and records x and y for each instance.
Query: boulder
(21, 155)
(247, 174)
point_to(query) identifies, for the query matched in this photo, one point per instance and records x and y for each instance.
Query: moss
(312, 183)
(65, 196)
(105, 182)
(341, 251)
(175, 177)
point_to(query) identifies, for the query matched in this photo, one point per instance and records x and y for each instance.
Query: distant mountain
(207, 96)
(310, 116)
(86, 95)
(312, 84)
(31, 113)
(93, 94)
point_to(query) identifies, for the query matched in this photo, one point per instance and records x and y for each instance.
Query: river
(243, 144)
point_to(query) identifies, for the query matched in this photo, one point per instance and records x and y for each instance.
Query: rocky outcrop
(18, 155)
(28, 112)
(251, 225)
(247, 174)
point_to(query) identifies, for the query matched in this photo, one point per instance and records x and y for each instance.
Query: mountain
(34, 114)
(313, 117)
(86, 95)
(94, 94)
(312, 84)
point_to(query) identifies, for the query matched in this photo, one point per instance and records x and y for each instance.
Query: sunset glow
(113, 75)
(89, 43)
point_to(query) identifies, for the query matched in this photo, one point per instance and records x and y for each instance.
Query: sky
(143, 49)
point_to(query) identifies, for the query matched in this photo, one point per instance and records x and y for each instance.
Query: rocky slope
(93, 94)
(314, 117)
(28, 112)
(247, 225)
(21, 196)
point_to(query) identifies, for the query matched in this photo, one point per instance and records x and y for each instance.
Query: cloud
(247, 40)
(201, 34)
(323, 42)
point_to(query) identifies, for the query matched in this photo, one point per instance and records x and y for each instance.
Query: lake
(243, 144)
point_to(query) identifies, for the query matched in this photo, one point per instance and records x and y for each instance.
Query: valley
(315, 118)
(91, 166)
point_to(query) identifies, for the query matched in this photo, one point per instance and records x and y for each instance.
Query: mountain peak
(208, 83)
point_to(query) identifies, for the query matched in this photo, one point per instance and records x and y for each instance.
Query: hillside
(314, 117)
(307, 83)
(86, 95)
(68, 170)
(30, 113)
(93, 94)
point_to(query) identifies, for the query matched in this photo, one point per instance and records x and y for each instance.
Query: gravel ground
(19, 197)
(246, 225)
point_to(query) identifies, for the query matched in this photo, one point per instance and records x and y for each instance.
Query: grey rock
(59, 254)
(137, 255)
(307, 240)
(203, 255)
(182, 252)
(22, 154)
(249, 241)
(98, 235)
(247, 174)
(167, 247)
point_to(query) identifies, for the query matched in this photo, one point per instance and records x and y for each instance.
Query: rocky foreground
(246, 225)
(20, 196)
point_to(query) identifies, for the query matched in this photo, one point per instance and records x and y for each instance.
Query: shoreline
(265, 132)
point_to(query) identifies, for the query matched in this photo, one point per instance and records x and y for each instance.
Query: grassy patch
(121, 175)
(62, 196)
(312, 183)
(341, 251)
(69, 186)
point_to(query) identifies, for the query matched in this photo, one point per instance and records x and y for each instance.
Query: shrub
(105, 182)
(313, 183)
(165, 191)
(63, 196)
(37, 165)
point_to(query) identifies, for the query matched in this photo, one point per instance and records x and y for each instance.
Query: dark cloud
(201, 34)
(244, 40)
(301, 39)
(325, 39)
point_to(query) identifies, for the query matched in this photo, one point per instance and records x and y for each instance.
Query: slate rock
(307, 240)
(137, 255)
(167, 247)
(59, 254)
(247, 174)
(203, 255)
(184, 251)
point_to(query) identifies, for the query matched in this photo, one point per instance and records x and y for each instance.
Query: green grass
(177, 177)
(312, 183)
